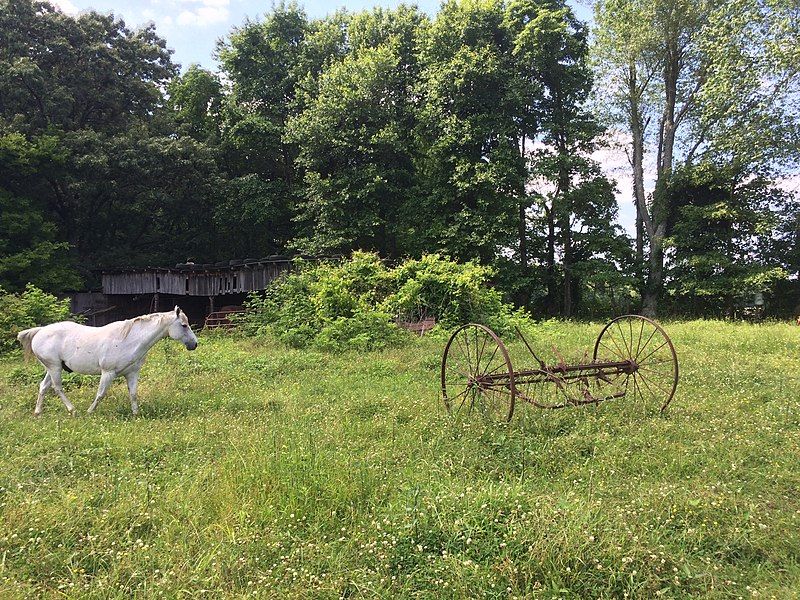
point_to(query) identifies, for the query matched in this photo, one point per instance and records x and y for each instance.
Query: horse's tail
(25, 338)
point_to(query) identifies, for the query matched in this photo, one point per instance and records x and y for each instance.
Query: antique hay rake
(633, 357)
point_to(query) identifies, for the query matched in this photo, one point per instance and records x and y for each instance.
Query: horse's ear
(177, 311)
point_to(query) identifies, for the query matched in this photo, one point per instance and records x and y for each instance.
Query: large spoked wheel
(477, 375)
(653, 374)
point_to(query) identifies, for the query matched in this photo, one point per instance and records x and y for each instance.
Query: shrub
(363, 331)
(31, 308)
(454, 293)
(352, 303)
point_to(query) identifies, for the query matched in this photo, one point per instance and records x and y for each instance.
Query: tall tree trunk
(566, 238)
(552, 303)
(565, 223)
(639, 240)
(524, 296)
(655, 276)
(644, 224)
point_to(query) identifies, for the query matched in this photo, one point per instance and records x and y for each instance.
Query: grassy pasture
(254, 469)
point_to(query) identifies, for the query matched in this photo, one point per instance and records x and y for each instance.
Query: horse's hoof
(37, 414)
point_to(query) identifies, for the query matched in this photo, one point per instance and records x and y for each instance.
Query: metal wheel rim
(666, 386)
(456, 398)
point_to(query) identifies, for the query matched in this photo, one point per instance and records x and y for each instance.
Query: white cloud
(204, 12)
(66, 7)
(613, 160)
(790, 183)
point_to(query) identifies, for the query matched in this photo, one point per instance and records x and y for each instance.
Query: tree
(671, 71)
(473, 172)
(355, 139)
(566, 195)
(74, 73)
(260, 61)
(716, 238)
(89, 161)
(195, 99)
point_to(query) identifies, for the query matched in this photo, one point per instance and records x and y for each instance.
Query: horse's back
(64, 328)
(58, 342)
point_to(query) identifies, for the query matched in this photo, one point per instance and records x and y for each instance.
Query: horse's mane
(129, 323)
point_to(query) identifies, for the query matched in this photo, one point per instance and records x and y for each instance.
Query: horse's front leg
(105, 381)
(133, 382)
(43, 387)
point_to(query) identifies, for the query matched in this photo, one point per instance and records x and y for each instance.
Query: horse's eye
(184, 324)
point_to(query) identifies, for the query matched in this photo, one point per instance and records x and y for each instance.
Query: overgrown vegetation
(265, 471)
(30, 308)
(353, 303)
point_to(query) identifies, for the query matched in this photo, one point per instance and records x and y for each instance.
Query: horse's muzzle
(191, 345)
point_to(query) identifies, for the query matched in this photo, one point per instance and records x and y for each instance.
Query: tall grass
(259, 470)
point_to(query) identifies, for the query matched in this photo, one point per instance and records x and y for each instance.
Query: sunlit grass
(256, 469)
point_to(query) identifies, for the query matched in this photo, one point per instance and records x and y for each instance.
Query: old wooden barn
(199, 289)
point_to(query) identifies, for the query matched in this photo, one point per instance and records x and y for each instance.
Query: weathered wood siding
(143, 282)
(217, 282)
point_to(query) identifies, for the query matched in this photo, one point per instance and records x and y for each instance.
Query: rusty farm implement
(633, 358)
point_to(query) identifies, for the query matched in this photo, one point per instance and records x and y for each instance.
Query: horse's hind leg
(105, 381)
(43, 387)
(55, 376)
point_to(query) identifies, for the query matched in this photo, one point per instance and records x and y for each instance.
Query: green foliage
(29, 252)
(351, 303)
(328, 304)
(30, 308)
(695, 83)
(355, 140)
(195, 98)
(363, 331)
(717, 262)
(454, 293)
(66, 73)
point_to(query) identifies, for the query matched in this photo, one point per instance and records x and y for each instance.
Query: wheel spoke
(480, 354)
(664, 343)
(612, 350)
(466, 347)
(670, 373)
(639, 341)
(667, 393)
(621, 353)
(455, 371)
(624, 343)
(652, 333)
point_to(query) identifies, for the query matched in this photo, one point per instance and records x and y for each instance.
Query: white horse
(118, 348)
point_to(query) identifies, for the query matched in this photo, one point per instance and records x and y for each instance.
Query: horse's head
(179, 330)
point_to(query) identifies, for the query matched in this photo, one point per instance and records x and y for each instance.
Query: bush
(453, 293)
(363, 331)
(351, 304)
(31, 308)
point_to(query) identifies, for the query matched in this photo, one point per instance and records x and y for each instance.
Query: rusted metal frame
(595, 366)
(562, 377)
(530, 349)
(572, 401)
(594, 370)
